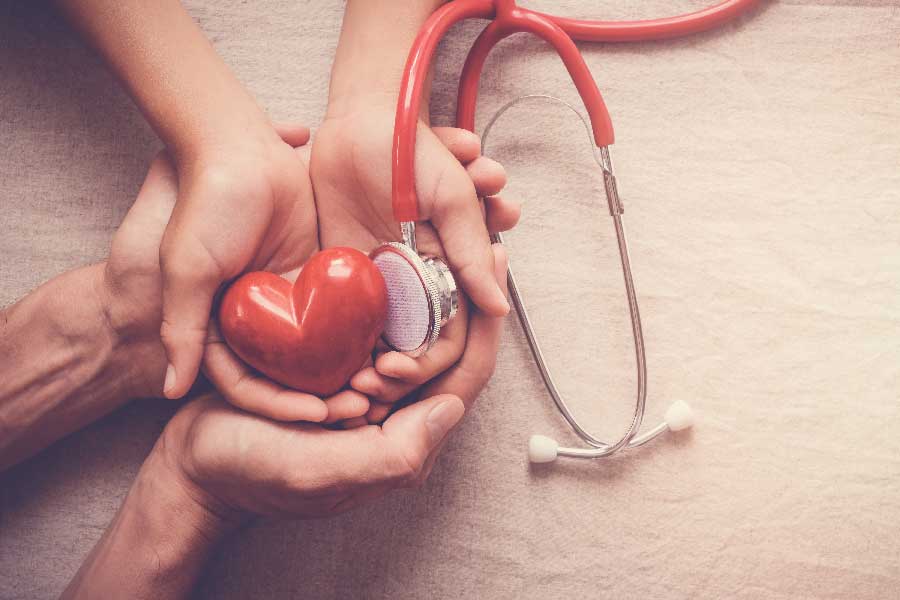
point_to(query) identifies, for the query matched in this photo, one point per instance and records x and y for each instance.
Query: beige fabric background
(760, 169)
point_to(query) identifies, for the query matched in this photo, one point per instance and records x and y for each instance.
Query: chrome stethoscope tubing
(541, 448)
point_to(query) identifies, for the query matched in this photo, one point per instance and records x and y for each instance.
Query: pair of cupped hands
(269, 203)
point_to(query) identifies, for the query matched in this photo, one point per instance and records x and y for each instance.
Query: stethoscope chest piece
(422, 297)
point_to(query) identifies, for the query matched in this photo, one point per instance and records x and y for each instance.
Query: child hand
(242, 208)
(132, 286)
(350, 170)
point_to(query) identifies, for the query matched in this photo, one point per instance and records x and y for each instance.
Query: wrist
(134, 360)
(227, 137)
(369, 62)
(63, 364)
(157, 544)
(182, 517)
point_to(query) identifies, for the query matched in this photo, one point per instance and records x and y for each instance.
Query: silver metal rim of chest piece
(440, 292)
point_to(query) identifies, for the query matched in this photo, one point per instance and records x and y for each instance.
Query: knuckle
(179, 333)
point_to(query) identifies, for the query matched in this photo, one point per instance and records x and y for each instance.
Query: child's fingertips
(501, 214)
(347, 404)
(463, 144)
(316, 411)
(367, 382)
(488, 176)
(396, 365)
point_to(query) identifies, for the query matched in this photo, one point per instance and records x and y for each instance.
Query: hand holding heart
(133, 283)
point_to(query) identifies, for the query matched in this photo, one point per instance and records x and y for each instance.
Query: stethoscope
(422, 293)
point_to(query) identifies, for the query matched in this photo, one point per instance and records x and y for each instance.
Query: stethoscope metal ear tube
(543, 449)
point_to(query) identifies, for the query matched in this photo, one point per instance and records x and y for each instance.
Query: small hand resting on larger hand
(216, 466)
(134, 283)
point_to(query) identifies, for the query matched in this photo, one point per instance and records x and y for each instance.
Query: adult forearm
(375, 40)
(191, 98)
(157, 544)
(62, 366)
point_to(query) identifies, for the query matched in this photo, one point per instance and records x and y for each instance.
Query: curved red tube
(653, 29)
(509, 19)
(518, 21)
(403, 184)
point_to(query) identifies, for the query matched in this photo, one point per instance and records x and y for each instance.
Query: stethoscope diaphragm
(422, 297)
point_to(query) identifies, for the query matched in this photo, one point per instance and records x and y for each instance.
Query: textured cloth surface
(760, 170)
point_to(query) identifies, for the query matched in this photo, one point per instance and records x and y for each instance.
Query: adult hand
(235, 465)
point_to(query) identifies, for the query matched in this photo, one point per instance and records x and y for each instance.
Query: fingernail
(170, 380)
(503, 296)
(442, 418)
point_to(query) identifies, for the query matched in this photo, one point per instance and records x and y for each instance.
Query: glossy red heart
(314, 334)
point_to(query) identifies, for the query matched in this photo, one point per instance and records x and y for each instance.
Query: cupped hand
(235, 465)
(351, 172)
(245, 207)
(133, 285)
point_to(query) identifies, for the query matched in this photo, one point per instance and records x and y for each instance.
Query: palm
(133, 276)
(289, 232)
(133, 267)
(351, 174)
(254, 465)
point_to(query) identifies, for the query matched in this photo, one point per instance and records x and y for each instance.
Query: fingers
(473, 370)
(346, 405)
(462, 143)
(501, 214)
(142, 229)
(396, 375)
(379, 387)
(448, 198)
(446, 351)
(469, 376)
(487, 175)
(456, 215)
(292, 134)
(317, 460)
(260, 395)
(190, 279)
(419, 429)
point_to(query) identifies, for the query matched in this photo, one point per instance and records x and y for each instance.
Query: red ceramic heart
(314, 334)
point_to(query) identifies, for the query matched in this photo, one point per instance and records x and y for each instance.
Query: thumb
(416, 430)
(190, 278)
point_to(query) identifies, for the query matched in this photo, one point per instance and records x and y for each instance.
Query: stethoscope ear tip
(542, 449)
(679, 416)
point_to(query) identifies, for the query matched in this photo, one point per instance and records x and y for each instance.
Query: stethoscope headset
(422, 293)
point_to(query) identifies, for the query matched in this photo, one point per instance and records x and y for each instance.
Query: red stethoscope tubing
(507, 19)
